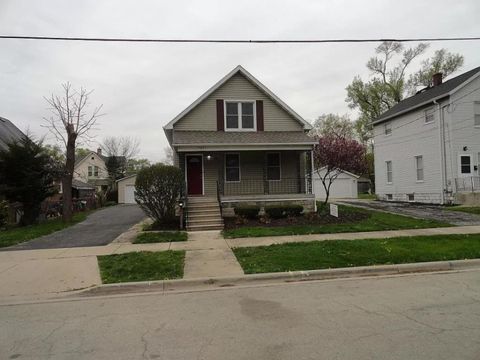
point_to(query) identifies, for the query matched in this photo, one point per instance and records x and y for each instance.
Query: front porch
(250, 177)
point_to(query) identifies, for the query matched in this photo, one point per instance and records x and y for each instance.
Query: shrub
(249, 212)
(157, 189)
(278, 212)
(3, 213)
(112, 196)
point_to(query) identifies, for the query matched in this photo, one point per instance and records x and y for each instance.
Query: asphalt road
(100, 228)
(431, 212)
(424, 316)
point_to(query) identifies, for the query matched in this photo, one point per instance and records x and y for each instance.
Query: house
(239, 144)
(8, 133)
(345, 185)
(92, 169)
(427, 147)
(126, 189)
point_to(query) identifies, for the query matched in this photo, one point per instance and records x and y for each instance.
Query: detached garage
(126, 190)
(343, 187)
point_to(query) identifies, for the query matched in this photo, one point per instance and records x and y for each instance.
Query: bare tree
(168, 159)
(70, 121)
(120, 151)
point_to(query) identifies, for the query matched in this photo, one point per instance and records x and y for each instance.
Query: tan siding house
(240, 144)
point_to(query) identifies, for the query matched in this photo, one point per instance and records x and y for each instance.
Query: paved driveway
(100, 228)
(431, 212)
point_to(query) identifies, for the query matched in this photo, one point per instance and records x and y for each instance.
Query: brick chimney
(99, 152)
(437, 79)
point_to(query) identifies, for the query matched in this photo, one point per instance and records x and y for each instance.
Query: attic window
(477, 114)
(429, 115)
(240, 116)
(388, 128)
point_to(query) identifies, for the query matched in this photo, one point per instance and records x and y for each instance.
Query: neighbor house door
(194, 165)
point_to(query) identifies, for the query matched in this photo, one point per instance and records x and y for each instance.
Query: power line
(234, 41)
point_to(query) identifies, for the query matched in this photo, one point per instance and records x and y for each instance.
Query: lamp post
(181, 204)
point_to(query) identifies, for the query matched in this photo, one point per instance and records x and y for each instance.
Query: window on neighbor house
(239, 115)
(465, 164)
(273, 166)
(429, 115)
(388, 128)
(419, 167)
(389, 196)
(477, 114)
(90, 171)
(389, 171)
(95, 171)
(232, 167)
(410, 197)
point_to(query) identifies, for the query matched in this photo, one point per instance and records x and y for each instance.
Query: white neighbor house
(427, 147)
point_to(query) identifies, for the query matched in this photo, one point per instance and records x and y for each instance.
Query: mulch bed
(310, 219)
(173, 224)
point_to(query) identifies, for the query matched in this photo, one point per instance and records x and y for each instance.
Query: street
(424, 316)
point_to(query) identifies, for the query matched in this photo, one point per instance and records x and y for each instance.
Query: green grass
(466, 209)
(347, 253)
(141, 266)
(367, 196)
(376, 221)
(160, 237)
(17, 235)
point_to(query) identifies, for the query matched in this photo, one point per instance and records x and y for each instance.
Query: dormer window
(240, 116)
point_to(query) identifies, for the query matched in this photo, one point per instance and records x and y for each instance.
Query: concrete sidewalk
(49, 272)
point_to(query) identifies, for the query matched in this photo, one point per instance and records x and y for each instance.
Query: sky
(143, 86)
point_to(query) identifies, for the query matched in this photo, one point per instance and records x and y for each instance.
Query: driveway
(430, 212)
(100, 228)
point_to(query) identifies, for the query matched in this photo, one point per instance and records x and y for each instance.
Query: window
(465, 164)
(93, 171)
(240, 115)
(232, 167)
(389, 196)
(389, 172)
(273, 166)
(429, 115)
(388, 128)
(411, 197)
(477, 114)
(419, 167)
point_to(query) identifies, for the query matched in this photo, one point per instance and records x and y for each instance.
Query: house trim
(250, 77)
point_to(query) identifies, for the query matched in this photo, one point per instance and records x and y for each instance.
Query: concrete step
(203, 207)
(193, 217)
(204, 227)
(196, 200)
(217, 221)
(201, 211)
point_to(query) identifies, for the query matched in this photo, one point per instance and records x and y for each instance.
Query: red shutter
(259, 115)
(220, 117)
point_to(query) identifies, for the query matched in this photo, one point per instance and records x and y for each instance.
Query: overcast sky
(143, 86)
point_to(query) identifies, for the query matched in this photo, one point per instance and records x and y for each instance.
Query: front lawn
(17, 235)
(160, 237)
(466, 209)
(348, 253)
(141, 266)
(351, 219)
(367, 196)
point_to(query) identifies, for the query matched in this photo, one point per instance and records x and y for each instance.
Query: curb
(280, 277)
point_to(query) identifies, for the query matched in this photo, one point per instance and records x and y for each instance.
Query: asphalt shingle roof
(427, 95)
(8, 133)
(243, 138)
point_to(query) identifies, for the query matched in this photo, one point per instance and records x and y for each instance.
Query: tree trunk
(68, 177)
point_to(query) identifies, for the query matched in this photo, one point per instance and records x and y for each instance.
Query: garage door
(130, 194)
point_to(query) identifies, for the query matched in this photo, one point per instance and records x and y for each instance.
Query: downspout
(443, 167)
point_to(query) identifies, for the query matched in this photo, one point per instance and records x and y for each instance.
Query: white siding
(344, 187)
(125, 187)
(81, 169)
(410, 137)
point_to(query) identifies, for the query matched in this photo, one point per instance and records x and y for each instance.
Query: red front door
(194, 174)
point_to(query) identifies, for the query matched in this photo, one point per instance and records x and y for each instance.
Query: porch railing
(299, 185)
(471, 183)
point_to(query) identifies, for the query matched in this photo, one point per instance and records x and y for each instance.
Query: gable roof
(8, 133)
(355, 176)
(240, 70)
(427, 96)
(79, 159)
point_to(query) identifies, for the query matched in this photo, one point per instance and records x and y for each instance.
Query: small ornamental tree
(333, 154)
(157, 190)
